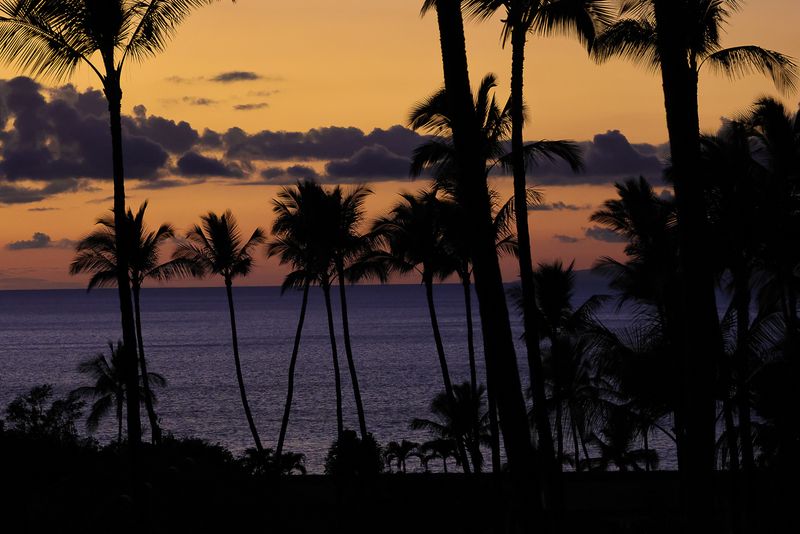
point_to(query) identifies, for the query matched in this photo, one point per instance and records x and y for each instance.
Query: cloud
(198, 165)
(566, 238)
(370, 162)
(558, 206)
(198, 101)
(43, 209)
(236, 76)
(18, 194)
(39, 240)
(289, 175)
(603, 234)
(609, 157)
(251, 107)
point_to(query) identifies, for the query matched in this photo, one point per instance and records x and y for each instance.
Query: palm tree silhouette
(52, 38)
(679, 38)
(413, 239)
(501, 363)
(777, 132)
(97, 254)
(347, 212)
(579, 18)
(440, 448)
(216, 247)
(109, 389)
(616, 445)
(297, 230)
(400, 453)
(460, 418)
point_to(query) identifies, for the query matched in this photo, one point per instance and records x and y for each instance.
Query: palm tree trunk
(337, 377)
(362, 421)
(575, 444)
(292, 363)
(529, 312)
(701, 323)
(494, 430)
(444, 464)
(646, 440)
(437, 337)
(559, 407)
(730, 433)
(473, 190)
(120, 401)
(742, 295)
(239, 377)
(113, 93)
(155, 430)
(473, 368)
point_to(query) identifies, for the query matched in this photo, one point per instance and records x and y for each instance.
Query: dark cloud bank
(39, 240)
(56, 141)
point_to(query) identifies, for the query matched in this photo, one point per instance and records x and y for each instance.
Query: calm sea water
(45, 334)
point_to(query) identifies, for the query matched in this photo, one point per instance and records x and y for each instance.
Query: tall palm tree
(777, 134)
(52, 38)
(457, 243)
(296, 231)
(440, 153)
(501, 364)
(216, 246)
(413, 240)
(109, 389)
(97, 254)
(579, 18)
(347, 206)
(679, 38)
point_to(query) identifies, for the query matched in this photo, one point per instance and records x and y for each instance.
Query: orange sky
(363, 63)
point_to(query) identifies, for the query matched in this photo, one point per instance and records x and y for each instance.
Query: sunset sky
(272, 91)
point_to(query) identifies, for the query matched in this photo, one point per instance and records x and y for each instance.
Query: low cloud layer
(56, 141)
(39, 240)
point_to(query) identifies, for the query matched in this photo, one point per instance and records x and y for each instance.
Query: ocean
(45, 334)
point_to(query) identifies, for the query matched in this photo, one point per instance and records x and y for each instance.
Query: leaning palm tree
(216, 247)
(412, 239)
(52, 38)
(347, 211)
(109, 388)
(578, 18)
(97, 254)
(501, 361)
(296, 241)
(679, 38)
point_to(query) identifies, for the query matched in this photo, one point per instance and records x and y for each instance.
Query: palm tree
(97, 254)
(348, 209)
(543, 17)
(413, 240)
(502, 371)
(216, 247)
(616, 445)
(777, 134)
(52, 38)
(566, 363)
(296, 231)
(109, 389)
(679, 38)
(400, 453)
(461, 419)
(457, 242)
(440, 448)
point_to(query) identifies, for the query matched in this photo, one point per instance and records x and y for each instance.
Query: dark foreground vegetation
(189, 485)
